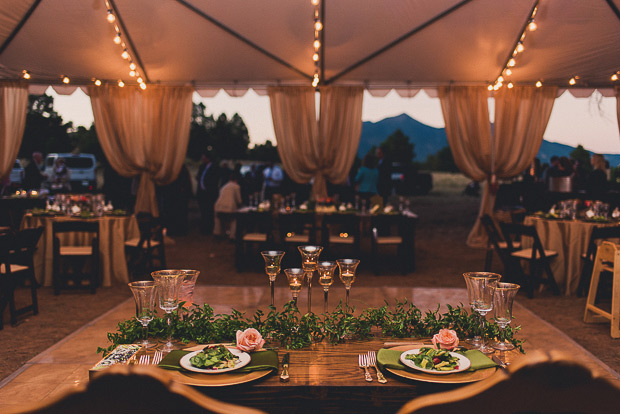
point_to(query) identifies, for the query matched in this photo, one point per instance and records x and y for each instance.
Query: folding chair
(495, 242)
(142, 252)
(537, 257)
(254, 229)
(394, 230)
(75, 255)
(598, 234)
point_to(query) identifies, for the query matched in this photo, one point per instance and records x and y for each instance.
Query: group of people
(36, 178)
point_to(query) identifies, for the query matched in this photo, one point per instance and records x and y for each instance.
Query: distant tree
(397, 148)
(264, 152)
(442, 161)
(45, 130)
(582, 155)
(86, 141)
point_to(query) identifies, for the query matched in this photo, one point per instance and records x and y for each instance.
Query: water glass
(481, 287)
(502, 303)
(144, 295)
(168, 287)
(186, 294)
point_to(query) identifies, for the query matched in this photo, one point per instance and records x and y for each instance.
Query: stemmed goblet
(482, 286)
(186, 294)
(273, 260)
(309, 259)
(295, 278)
(326, 277)
(502, 303)
(347, 274)
(168, 286)
(144, 295)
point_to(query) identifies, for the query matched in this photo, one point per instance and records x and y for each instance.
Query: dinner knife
(284, 375)
(499, 362)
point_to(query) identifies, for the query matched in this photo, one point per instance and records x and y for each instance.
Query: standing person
(33, 175)
(596, 183)
(367, 178)
(207, 192)
(273, 177)
(384, 183)
(228, 201)
(61, 181)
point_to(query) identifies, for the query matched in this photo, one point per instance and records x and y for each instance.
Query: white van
(81, 169)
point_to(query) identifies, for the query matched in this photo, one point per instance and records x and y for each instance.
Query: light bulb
(143, 86)
(315, 2)
(510, 85)
(121, 83)
(490, 87)
(26, 74)
(125, 54)
(315, 57)
(520, 47)
(97, 82)
(614, 77)
(132, 73)
(140, 80)
(538, 84)
(315, 82)
(317, 44)
(117, 39)
(65, 79)
(500, 79)
(111, 18)
(532, 26)
(511, 63)
(508, 72)
(132, 66)
(496, 87)
(318, 26)
(572, 81)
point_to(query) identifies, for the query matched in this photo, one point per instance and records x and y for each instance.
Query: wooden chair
(598, 234)
(148, 249)
(607, 260)
(541, 382)
(254, 229)
(394, 230)
(496, 243)
(134, 389)
(537, 257)
(17, 253)
(341, 230)
(76, 255)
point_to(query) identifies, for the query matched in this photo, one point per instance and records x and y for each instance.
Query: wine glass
(309, 259)
(502, 303)
(144, 295)
(347, 273)
(476, 341)
(186, 294)
(326, 277)
(168, 286)
(482, 285)
(295, 278)
(273, 259)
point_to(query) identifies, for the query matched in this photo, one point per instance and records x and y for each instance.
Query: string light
(97, 82)
(26, 74)
(316, 56)
(510, 85)
(117, 39)
(532, 26)
(121, 83)
(538, 84)
(614, 77)
(111, 17)
(572, 81)
(65, 79)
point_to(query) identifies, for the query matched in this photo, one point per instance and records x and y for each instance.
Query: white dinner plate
(463, 364)
(244, 359)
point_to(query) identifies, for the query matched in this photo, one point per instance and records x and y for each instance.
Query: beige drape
(322, 150)
(13, 109)
(521, 117)
(618, 104)
(144, 133)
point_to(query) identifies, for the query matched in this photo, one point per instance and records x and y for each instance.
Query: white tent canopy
(382, 45)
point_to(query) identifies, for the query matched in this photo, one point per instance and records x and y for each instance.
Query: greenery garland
(290, 329)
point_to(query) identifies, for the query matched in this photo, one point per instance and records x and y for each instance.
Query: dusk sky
(591, 122)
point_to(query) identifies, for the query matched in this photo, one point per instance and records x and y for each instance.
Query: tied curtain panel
(144, 133)
(323, 150)
(521, 117)
(13, 109)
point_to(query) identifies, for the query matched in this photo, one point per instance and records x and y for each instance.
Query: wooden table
(569, 238)
(113, 232)
(326, 378)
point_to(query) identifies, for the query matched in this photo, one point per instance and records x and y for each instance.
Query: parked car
(81, 169)
(17, 173)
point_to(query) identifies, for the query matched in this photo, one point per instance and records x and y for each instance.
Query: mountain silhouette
(428, 140)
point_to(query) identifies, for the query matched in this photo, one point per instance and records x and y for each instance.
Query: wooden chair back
(607, 260)
(341, 229)
(541, 382)
(134, 389)
(598, 233)
(394, 229)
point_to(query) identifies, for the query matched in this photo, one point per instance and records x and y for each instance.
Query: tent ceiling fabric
(454, 42)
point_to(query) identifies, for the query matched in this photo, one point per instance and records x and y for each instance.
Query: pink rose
(445, 339)
(249, 340)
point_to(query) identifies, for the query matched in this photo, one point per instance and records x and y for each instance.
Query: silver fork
(157, 357)
(144, 360)
(363, 363)
(372, 361)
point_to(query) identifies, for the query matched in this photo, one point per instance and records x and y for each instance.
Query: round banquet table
(569, 238)
(113, 232)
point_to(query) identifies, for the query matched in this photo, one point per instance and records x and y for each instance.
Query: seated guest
(228, 201)
(596, 184)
